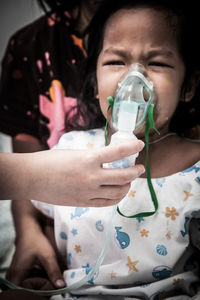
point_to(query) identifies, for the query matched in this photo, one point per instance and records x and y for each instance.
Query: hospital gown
(151, 257)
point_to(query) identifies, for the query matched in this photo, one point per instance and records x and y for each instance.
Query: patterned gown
(145, 258)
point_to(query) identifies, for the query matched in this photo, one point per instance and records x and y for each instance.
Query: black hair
(184, 23)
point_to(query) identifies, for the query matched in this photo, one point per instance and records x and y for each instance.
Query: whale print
(79, 211)
(122, 237)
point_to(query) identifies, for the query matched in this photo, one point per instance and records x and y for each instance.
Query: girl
(146, 257)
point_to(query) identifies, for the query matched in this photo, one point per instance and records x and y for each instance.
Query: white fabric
(147, 257)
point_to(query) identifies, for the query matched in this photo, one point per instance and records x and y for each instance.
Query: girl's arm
(33, 247)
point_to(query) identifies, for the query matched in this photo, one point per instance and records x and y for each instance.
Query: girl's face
(142, 35)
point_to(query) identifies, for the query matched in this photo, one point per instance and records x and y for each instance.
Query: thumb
(53, 271)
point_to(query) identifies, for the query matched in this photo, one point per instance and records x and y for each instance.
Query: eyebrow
(116, 51)
(151, 53)
(163, 52)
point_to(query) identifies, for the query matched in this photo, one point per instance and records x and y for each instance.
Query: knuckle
(122, 151)
(50, 258)
(122, 191)
(125, 178)
(91, 157)
(91, 179)
(140, 170)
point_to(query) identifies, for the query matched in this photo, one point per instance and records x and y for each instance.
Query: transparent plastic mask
(132, 99)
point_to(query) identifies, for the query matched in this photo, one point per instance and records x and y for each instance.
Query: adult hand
(69, 177)
(77, 177)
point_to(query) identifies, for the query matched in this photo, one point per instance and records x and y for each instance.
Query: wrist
(26, 217)
(27, 228)
(36, 173)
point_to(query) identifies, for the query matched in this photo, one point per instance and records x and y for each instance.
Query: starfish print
(144, 233)
(90, 145)
(187, 195)
(168, 235)
(131, 193)
(131, 265)
(113, 275)
(171, 213)
(74, 231)
(77, 248)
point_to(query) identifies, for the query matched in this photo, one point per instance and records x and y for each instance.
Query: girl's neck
(165, 153)
(169, 155)
(164, 136)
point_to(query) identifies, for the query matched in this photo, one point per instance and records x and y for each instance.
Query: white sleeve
(65, 142)
(46, 208)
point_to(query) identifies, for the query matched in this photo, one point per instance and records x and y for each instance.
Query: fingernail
(141, 143)
(60, 283)
(142, 170)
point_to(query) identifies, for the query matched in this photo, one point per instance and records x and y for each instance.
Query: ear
(96, 92)
(189, 89)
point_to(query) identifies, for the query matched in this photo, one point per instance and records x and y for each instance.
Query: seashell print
(161, 250)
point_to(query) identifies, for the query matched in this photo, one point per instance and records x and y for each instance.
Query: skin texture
(51, 176)
(143, 35)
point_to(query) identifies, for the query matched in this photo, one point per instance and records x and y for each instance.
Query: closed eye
(114, 63)
(160, 64)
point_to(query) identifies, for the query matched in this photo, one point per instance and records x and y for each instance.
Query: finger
(115, 192)
(117, 176)
(53, 271)
(116, 152)
(102, 202)
(111, 195)
(18, 271)
(37, 283)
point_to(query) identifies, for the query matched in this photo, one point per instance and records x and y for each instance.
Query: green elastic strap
(111, 103)
(149, 124)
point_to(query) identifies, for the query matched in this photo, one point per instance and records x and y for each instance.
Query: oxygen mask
(132, 100)
(132, 107)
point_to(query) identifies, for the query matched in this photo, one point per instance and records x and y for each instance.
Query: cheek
(107, 83)
(102, 94)
(167, 92)
(167, 98)
(107, 86)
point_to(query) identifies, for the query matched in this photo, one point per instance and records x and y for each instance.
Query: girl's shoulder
(189, 152)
